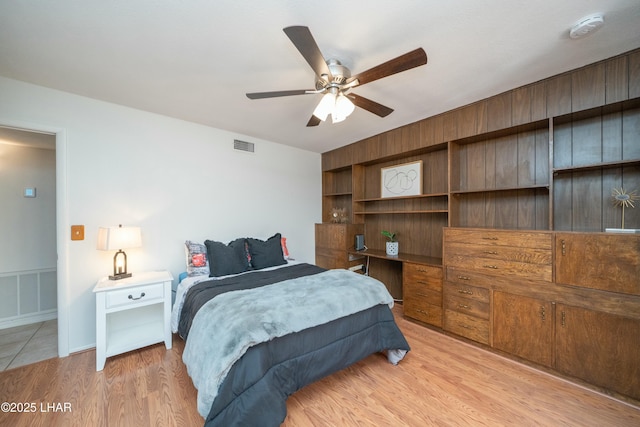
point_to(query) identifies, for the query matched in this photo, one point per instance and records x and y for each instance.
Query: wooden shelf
(493, 190)
(430, 211)
(597, 166)
(336, 194)
(384, 199)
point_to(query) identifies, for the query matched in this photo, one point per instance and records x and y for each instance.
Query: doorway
(40, 300)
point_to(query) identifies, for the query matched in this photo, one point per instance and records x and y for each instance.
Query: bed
(255, 336)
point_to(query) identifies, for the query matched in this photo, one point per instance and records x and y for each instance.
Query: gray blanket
(230, 323)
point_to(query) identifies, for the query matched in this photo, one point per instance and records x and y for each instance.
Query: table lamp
(119, 238)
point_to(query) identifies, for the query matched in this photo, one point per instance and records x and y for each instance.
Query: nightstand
(132, 313)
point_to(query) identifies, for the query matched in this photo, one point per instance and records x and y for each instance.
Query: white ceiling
(196, 59)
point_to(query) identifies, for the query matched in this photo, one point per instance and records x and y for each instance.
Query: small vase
(392, 248)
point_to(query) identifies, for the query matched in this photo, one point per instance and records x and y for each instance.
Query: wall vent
(243, 146)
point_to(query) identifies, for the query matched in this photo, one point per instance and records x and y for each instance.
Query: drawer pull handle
(467, 327)
(420, 294)
(423, 312)
(463, 277)
(490, 238)
(422, 282)
(491, 252)
(465, 291)
(132, 298)
(468, 307)
(495, 267)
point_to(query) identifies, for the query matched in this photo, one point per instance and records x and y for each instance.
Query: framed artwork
(401, 180)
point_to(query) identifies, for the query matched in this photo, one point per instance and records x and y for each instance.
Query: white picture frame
(401, 180)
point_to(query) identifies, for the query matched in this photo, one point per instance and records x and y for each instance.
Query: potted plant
(392, 243)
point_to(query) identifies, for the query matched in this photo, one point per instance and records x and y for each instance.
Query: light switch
(77, 232)
(30, 192)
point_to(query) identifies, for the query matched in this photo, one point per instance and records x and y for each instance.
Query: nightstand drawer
(135, 295)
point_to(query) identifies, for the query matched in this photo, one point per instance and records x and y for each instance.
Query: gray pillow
(227, 259)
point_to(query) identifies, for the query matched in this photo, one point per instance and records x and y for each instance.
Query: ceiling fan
(335, 81)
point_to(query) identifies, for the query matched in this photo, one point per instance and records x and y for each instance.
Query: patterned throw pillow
(197, 261)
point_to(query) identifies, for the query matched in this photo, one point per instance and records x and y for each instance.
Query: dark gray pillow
(227, 259)
(266, 253)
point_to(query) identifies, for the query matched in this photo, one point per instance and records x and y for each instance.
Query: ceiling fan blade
(313, 121)
(303, 40)
(369, 105)
(405, 62)
(260, 95)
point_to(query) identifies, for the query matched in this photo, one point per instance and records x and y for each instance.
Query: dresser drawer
(135, 295)
(503, 253)
(467, 291)
(523, 239)
(470, 306)
(471, 327)
(421, 294)
(425, 275)
(427, 313)
(506, 269)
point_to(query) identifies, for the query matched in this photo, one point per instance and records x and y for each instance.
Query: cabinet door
(600, 348)
(610, 262)
(332, 243)
(523, 326)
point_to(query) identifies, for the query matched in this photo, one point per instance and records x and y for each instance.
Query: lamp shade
(326, 106)
(116, 238)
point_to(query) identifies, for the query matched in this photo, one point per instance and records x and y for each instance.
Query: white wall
(27, 225)
(177, 180)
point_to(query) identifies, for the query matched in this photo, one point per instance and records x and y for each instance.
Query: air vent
(243, 146)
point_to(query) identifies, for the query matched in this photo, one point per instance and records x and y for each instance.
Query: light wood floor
(441, 382)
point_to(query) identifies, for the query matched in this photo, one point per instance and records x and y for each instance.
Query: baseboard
(29, 319)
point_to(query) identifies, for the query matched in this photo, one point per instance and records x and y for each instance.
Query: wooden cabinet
(606, 261)
(600, 348)
(584, 323)
(466, 308)
(332, 243)
(474, 259)
(496, 252)
(422, 292)
(523, 326)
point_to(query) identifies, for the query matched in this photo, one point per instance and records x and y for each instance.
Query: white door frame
(62, 224)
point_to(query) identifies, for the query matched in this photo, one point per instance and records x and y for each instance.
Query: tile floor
(22, 345)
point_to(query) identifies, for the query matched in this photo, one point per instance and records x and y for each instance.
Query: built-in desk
(415, 280)
(401, 257)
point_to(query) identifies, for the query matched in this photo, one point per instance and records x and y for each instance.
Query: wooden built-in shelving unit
(519, 188)
(545, 156)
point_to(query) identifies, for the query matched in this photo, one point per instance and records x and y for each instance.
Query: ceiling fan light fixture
(343, 108)
(326, 106)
